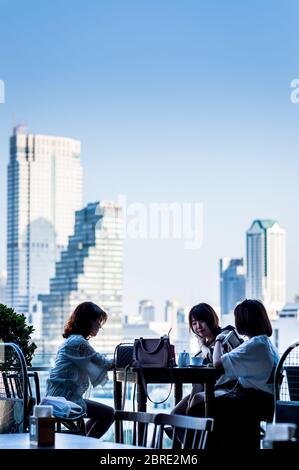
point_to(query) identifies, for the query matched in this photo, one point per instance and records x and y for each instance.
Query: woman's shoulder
(74, 340)
(263, 339)
(260, 342)
(77, 345)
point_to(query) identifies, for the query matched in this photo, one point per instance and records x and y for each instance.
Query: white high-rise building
(175, 317)
(286, 327)
(266, 277)
(171, 315)
(44, 191)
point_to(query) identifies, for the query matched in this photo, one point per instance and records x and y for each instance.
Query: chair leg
(73, 427)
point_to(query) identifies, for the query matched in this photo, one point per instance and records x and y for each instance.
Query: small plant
(14, 329)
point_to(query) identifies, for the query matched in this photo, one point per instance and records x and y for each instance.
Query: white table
(62, 441)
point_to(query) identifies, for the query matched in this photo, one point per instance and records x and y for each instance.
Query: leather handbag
(153, 352)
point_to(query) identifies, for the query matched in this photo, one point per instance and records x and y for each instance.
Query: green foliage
(14, 329)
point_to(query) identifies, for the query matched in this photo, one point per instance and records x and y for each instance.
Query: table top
(175, 374)
(62, 441)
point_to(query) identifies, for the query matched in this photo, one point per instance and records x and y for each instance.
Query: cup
(196, 361)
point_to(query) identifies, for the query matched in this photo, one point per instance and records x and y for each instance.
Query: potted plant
(14, 329)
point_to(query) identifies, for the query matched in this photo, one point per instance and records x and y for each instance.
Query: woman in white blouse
(78, 365)
(253, 363)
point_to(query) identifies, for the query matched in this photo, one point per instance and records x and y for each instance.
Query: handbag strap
(143, 383)
(155, 349)
(125, 385)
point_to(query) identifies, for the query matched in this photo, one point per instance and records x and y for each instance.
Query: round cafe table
(62, 441)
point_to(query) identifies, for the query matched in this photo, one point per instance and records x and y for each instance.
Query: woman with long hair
(204, 323)
(78, 365)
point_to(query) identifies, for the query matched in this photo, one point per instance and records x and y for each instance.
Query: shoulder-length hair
(251, 319)
(80, 321)
(204, 312)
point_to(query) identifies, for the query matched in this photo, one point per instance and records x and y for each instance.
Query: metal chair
(74, 425)
(137, 431)
(14, 398)
(71, 425)
(192, 432)
(286, 382)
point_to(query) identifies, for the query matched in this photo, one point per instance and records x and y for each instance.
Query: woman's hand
(220, 337)
(218, 350)
(205, 351)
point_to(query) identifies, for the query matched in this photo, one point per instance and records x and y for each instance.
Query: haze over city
(172, 102)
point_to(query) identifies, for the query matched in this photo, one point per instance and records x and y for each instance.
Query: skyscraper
(232, 283)
(146, 310)
(265, 278)
(44, 190)
(175, 316)
(171, 316)
(91, 268)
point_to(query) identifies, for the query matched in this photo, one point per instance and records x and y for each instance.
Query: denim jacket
(77, 365)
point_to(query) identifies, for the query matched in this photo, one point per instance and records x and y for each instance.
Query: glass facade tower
(232, 283)
(90, 269)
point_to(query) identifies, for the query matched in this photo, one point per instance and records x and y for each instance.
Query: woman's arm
(218, 351)
(84, 356)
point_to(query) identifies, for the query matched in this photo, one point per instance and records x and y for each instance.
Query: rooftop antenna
(20, 128)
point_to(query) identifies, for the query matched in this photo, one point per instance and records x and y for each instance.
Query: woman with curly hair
(78, 365)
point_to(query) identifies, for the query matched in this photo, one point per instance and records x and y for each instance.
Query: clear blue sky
(173, 101)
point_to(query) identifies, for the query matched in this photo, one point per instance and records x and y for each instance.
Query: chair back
(13, 389)
(191, 432)
(286, 382)
(137, 427)
(286, 379)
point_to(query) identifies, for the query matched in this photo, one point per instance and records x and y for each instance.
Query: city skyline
(171, 104)
(42, 153)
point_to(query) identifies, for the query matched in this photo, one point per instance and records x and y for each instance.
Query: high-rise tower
(44, 191)
(232, 283)
(266, 278)
(90, 269)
